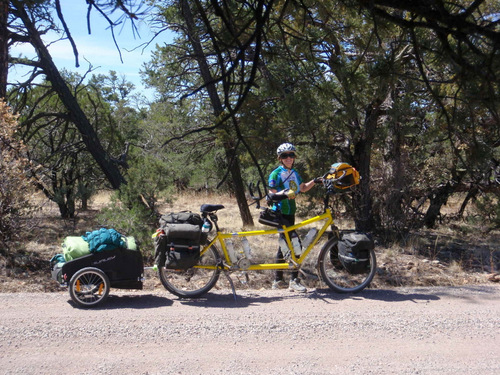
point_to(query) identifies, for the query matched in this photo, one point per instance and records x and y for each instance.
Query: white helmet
(285, 147)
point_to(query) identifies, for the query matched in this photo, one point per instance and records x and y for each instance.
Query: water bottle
(310, 236)
(297, 248)
(207, 226)
(231, 252)
(246, 248)
(284, 248)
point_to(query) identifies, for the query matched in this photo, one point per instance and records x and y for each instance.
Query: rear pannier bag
(182, 245)
(354, 252)
(179, 244)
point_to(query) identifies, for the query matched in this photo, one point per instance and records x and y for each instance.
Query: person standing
(285, 177)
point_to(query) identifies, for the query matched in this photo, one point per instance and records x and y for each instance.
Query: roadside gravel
(395, 331)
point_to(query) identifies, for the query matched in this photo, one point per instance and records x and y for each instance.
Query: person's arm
(305, 186)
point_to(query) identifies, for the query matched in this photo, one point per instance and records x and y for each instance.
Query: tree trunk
(362, 158)
(233, 163)
(4, 49)
(471, 194)
(438, 199)
(239, 187)
(66, 208)
(397, 182)
(76, 114)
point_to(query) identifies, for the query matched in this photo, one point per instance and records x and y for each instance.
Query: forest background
(406, 92)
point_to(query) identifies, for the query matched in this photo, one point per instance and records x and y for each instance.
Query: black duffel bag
(183, 217)
(354, 252)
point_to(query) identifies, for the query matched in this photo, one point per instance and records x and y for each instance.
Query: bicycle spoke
(195, 281)
(88, 287)
(340, 279)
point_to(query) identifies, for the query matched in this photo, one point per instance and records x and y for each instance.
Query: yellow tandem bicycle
(342, 273)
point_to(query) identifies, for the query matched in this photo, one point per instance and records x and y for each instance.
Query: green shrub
(136, 221)
(489, 206)
(16, 193)
(133, 209)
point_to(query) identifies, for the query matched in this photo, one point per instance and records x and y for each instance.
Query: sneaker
(279, 284)
(296, 286)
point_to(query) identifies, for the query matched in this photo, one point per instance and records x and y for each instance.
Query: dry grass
(455, 255)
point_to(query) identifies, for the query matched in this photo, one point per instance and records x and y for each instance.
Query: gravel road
(396, 331)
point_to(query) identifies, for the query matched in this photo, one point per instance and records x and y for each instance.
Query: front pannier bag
(271, 218)
(354, 252)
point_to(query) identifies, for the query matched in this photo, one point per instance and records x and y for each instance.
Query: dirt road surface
(396, 331)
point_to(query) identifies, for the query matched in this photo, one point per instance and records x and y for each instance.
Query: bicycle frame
(293, 262)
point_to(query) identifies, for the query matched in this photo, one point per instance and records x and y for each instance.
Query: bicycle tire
(337, 277)
(89, 287)
(192, 282)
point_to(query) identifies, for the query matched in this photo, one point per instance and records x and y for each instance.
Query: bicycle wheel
(89, 286)
(193, 282)
(337, 277)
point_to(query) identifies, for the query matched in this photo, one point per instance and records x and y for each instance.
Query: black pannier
(354, 252)
(183, 217)
(182, 245)
(179, 243)
(271, 218)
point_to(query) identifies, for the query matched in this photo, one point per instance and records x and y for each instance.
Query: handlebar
(333, 180)
(271, 197)
(277, 197)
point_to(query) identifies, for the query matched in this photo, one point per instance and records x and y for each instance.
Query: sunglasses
(290, 155)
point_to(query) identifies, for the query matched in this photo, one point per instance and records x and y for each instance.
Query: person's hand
(318, 180)
(290, 193)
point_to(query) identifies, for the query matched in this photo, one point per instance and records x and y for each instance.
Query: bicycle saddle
(208, 208)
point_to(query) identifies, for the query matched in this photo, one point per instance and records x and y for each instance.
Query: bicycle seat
(208, 208)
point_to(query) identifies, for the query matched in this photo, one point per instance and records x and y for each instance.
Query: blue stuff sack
(104, 239)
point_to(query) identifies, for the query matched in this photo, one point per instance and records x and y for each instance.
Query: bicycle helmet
(348, 175)
(285, 147)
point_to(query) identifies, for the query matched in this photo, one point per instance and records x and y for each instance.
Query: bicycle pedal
(243, 278)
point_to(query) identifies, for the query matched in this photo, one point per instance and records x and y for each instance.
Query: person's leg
(278, 282)
(279, 259)
(295, 283)
(288, 220)
(278, 276)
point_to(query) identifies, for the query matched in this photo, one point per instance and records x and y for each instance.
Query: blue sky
(98, 48)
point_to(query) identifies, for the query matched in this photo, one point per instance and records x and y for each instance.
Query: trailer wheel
(89, 287)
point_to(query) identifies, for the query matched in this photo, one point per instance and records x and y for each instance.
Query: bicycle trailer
(123, 267)
(90, 275)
